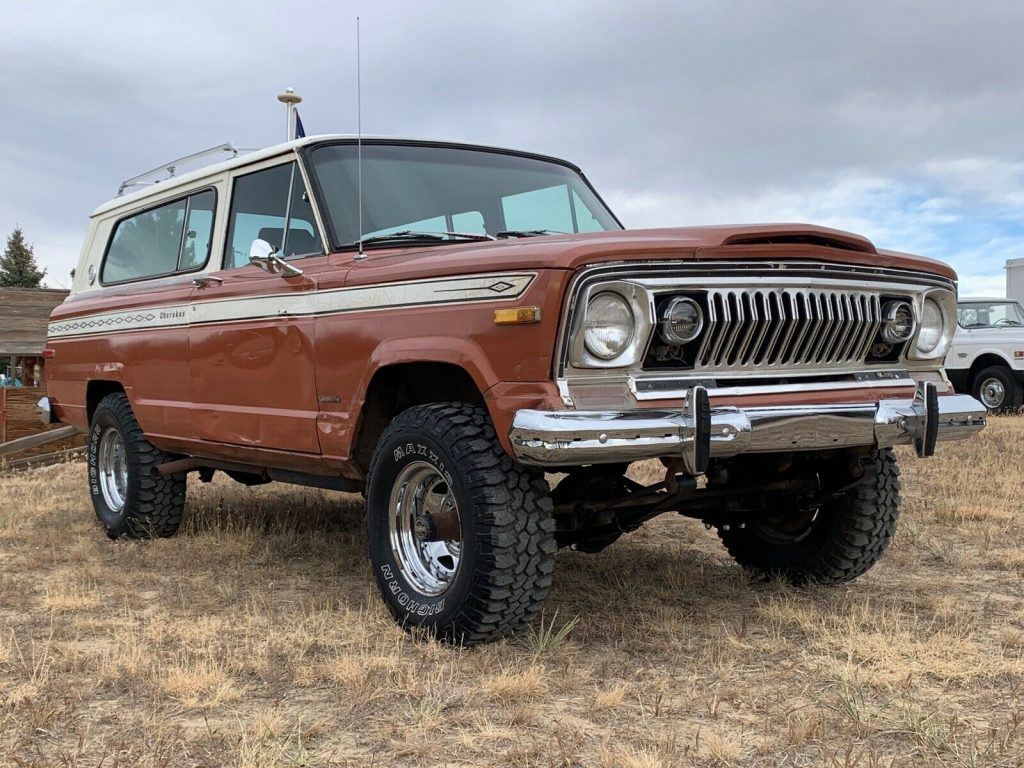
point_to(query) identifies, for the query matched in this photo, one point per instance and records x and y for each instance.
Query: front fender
(339, 426)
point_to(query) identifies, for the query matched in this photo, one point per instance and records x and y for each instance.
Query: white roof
(248, 158)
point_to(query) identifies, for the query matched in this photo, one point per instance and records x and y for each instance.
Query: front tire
(130, 499)
(460, 537)
(997, 389)
(837, 542)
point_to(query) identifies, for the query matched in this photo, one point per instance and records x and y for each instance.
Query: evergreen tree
(18, 268)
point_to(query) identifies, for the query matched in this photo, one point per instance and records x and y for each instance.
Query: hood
(751, 241)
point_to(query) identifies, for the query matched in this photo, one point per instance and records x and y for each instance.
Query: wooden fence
(18, 419)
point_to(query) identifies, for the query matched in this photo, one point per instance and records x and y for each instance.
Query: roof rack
(169, 168)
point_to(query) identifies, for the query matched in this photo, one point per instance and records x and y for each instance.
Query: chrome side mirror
(264, 256)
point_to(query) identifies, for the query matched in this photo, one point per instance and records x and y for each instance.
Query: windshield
(432, 189)
(991, 314)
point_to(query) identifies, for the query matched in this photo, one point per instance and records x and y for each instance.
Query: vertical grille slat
(790, 323)
(788, 327)
(823, 325)
(853, 323)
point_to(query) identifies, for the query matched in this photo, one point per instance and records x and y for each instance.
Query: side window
(264, 206)
(161, 241)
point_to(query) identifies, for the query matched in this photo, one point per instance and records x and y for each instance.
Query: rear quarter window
(169, 238)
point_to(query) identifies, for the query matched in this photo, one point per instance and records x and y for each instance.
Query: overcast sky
(901, 121)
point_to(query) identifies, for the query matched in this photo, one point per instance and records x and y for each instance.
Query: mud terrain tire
(152, 505)
(846, 537)
(506, 546)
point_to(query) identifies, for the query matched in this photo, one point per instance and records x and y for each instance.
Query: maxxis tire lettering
(505, 510)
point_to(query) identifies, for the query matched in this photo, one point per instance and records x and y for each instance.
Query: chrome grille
(787, 328)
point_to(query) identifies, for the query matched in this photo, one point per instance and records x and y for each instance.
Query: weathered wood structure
(18, 421)
(24, 314)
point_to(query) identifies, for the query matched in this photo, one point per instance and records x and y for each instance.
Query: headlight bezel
(642, 306)
(945, 302)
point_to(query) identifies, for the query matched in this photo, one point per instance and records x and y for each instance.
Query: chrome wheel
(993, 393)
(425, 529)
(113, 469)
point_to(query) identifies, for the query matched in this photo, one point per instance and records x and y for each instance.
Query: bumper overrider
(699, 432)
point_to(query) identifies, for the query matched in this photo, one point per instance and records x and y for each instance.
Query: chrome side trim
(432, 292)
(572, 438)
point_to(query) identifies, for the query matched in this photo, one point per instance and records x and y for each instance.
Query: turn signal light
(49, 354)
(517, 315)
(1018, 354)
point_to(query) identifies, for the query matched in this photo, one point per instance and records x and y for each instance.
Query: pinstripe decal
(502, 286)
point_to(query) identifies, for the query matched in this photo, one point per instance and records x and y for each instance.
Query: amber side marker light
(1018, 354)
(517, 315)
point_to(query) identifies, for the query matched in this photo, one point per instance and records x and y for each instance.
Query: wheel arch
(400, 384)
(987, 360)
(96, 390)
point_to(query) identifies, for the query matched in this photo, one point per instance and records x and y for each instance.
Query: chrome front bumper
(695, 434)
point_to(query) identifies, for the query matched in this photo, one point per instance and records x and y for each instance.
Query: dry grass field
(255, 638)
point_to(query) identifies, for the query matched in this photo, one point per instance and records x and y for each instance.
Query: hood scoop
(842, 241)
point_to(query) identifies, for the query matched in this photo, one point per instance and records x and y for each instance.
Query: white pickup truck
(987, 354)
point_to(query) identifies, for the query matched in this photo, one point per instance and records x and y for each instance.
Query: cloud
(897, 120)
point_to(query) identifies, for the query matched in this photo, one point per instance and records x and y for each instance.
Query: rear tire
(438, 472)
(846, 536)
(130, 499)
(997, 389)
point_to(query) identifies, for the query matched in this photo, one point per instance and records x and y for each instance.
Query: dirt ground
(256, 638)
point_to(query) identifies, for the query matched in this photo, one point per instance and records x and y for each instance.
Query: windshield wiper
(529, 232)
(408, 235)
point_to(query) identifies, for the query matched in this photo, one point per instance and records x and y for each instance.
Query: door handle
(205, 280)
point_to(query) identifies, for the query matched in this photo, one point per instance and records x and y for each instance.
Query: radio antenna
(359, 139)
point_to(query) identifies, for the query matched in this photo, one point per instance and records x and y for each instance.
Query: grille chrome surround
(582, 383)
(787, 328)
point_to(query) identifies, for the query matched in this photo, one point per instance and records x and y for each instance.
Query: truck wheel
(129, 500)
(830, 544)
(460, 537)
(997, 389)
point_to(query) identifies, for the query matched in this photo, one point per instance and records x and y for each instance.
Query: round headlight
(932, 325)
(682, 321)
(897, 322)
(608, 327)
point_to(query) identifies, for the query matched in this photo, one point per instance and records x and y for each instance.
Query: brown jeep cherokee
(477, 318)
